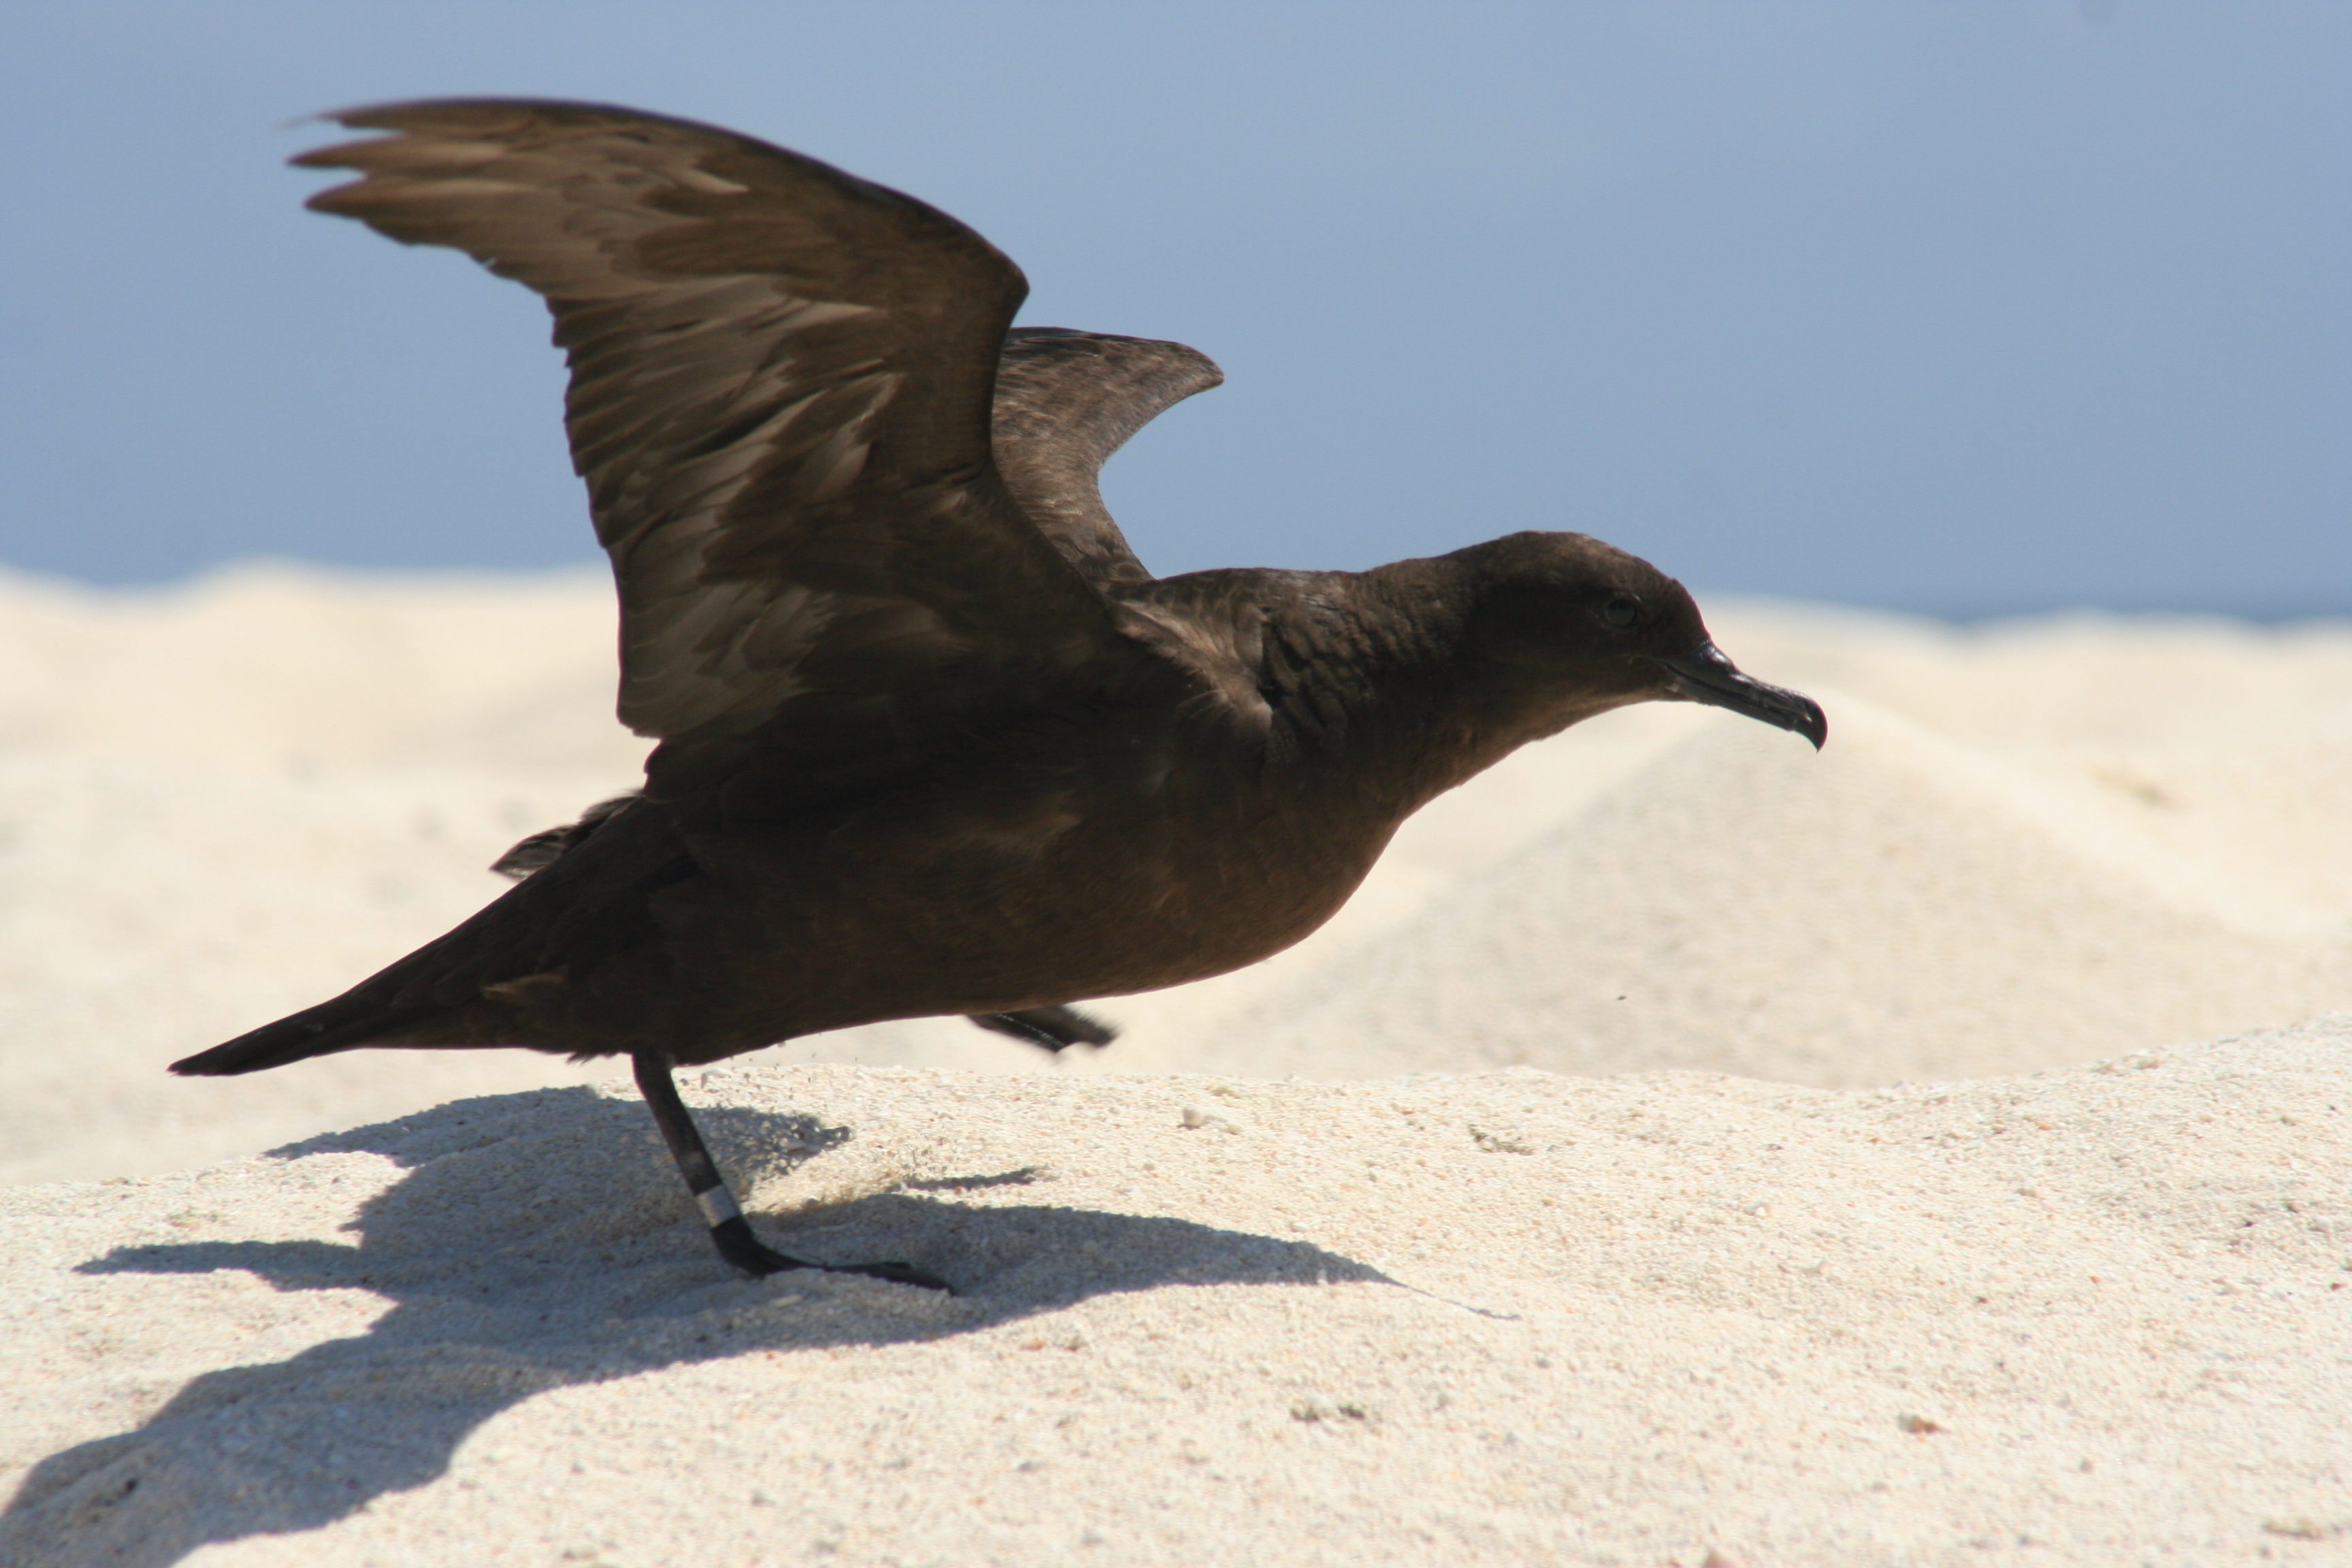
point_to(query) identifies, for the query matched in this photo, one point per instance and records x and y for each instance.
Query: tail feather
(582, 897)
(350, 1020)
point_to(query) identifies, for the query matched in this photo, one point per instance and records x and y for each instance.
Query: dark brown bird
(932, 740)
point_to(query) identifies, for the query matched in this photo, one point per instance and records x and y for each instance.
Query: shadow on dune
(539, 1241)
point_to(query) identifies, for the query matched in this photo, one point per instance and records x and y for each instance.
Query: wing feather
(1064, 402)
(781, 397)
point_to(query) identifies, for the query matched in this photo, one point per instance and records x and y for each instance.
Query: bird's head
(1560, 627)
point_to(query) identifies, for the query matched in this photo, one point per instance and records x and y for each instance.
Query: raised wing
(781, 391)
(1064, 402)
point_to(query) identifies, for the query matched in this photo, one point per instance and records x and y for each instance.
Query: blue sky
(1959, 305)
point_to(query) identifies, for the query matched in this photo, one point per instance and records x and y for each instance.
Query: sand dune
(2034, 1310)
(1904, 908)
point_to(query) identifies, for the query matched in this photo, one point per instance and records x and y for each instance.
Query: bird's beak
(1706, 676)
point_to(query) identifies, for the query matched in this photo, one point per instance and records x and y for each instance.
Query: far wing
(779, 400)
(1064, 402)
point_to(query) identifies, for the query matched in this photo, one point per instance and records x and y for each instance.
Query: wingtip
(385, 117)
(332, 156)
(353, 118)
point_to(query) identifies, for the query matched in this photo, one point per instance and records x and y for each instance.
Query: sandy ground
(1508, 1311)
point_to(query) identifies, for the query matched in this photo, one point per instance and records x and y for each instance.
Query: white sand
(1493, 1317)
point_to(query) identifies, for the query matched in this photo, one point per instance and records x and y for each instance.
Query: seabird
(931, 741)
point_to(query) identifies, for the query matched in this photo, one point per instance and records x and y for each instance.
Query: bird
(929, 739)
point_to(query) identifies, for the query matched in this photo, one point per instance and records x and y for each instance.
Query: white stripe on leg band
(718, 1205)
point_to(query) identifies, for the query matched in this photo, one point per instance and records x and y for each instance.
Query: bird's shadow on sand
(479, 1250)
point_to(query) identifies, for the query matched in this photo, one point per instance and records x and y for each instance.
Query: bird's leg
(730, 1232)
(1049, 1028)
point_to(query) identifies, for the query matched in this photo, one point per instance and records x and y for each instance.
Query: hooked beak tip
(1817, 726)
(1707, 676)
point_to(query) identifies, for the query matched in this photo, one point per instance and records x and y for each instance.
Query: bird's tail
(455, 991)
(357, 1017)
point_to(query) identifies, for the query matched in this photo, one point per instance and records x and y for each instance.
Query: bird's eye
(1621, 610)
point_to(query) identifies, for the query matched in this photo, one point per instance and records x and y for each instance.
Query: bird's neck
(1365, 679)
(1381, 686)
